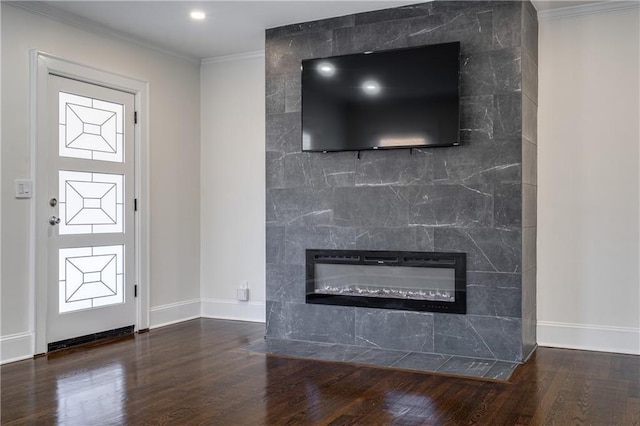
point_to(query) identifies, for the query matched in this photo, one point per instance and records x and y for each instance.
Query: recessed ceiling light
(198, 15)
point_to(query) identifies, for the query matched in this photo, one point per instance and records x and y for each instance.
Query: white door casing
(42, 67)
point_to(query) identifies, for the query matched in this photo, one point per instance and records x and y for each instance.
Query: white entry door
(91, 253)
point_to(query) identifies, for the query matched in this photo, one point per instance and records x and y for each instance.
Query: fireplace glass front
(421, 281)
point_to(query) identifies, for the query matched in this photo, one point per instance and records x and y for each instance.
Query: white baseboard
(625, 340)
(19, 346)
(233, 310)
(172, 313)
(16, 347)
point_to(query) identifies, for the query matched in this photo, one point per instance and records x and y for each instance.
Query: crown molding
(234, 57)
(587, 9)
(71, 19)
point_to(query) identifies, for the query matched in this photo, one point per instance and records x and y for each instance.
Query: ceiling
(231, 27)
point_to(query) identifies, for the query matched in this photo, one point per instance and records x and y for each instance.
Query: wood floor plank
(196, 373)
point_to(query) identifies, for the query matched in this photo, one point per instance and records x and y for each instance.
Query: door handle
(53, 220)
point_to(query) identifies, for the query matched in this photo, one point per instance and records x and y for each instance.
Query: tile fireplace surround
(478, 198)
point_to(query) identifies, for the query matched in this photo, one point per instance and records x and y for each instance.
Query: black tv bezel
(378, 148)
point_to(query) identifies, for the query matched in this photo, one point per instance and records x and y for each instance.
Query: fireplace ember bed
(404, 280)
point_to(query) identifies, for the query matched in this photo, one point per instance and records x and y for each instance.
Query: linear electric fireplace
(414, 281)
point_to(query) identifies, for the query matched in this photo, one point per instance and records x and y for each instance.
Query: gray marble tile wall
(478, 198)
(529, 69)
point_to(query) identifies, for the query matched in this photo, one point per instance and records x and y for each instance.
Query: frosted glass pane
(90, 277)
(90, 128)
(90, 203)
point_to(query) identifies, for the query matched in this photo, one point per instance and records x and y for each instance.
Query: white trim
(42, 64)
(1, 187)
(586, 9)
(94, 27)
(234, 57)
(16, 347)
(230, 309)
(624, 340)
(174, 312)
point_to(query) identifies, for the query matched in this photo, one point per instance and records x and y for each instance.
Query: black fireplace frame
(455, 261)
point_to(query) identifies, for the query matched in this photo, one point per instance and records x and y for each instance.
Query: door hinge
(135, 204)
(135, 290)
(135, 117)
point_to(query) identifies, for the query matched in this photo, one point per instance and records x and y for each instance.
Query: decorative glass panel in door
(90, 128)
(91, 200)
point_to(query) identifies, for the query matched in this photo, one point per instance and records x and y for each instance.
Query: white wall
(174, 132)
(588, 193)
(0, 183)
(233, 186)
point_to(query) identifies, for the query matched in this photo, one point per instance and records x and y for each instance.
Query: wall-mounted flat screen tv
(407, 98)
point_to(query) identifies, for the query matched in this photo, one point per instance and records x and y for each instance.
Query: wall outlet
(243, 294)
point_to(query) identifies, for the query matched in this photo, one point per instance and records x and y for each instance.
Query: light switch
(23, 188)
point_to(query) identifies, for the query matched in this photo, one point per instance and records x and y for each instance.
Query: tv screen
(406, 98)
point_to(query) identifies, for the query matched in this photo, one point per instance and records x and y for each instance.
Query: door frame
(41, 65)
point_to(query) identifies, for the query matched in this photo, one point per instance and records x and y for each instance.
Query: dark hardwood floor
(196, 373)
